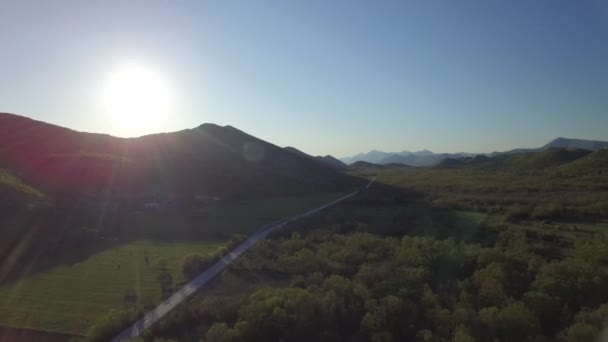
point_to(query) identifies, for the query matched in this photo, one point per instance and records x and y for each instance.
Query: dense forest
(439, 255)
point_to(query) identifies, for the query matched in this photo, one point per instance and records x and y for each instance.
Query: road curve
(163, 308)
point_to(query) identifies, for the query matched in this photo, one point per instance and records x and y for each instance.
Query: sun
(137, 100)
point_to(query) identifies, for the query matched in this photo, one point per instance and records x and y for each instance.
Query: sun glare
(137, 100)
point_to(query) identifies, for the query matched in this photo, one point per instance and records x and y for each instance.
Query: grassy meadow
(218, 220)
(69, 298)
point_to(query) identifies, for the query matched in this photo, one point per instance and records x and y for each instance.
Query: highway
(163, 308)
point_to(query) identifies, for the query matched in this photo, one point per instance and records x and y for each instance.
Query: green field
(68, 299)
(218, 220)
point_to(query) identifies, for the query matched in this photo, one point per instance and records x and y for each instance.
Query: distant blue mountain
(419, 158)
(428, 158)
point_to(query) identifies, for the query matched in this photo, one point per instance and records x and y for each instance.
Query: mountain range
(420, 158)
(208, 159)
(428, 158)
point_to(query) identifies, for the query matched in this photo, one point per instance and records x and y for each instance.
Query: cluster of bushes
(361, 286)
(113, 323)
(194, 264)
(556, 210)
(352, 274)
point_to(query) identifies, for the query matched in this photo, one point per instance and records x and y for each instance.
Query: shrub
(194, 264)
(111, 325)
(221, 332)
(549, 210)
(518, 212)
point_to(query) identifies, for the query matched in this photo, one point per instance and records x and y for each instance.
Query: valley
(300, 171)
(94, 238)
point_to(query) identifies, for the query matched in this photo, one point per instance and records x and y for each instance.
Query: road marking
(195, 284)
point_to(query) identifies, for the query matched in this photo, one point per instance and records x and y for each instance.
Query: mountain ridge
(429, 158)
(207, 159)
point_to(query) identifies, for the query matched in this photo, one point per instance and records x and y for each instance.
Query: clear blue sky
(336, 77)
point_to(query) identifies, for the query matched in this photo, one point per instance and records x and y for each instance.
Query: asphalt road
(163, 308)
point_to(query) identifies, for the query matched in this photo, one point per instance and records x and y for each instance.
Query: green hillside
(596, 162)
(531, 161)
(545, 159)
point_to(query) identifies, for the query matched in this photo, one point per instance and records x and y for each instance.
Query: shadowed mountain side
(68, 194)
(361, 165)
(396, 165)
(206, 159)
(332, 162)
(327, 160)
(296, 151)
(414, 160)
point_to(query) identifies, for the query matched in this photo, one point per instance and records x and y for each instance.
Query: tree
(491, 292)
(193, 264)
(112, 324)
(221, 332)
(488, 319)
(489, 281)
(587, 325)
(547, 308)
(517, 323)
(580, 332)
(461, 334)
(574, 281)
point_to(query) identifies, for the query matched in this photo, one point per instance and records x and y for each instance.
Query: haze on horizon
(337, 77)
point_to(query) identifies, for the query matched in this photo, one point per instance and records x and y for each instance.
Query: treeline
(361, 286)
